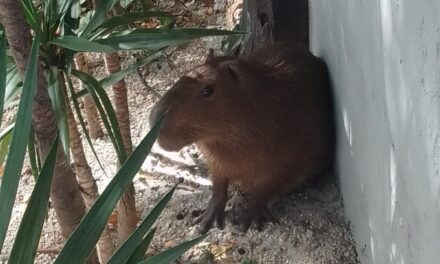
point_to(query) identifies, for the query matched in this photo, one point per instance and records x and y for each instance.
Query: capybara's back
(265, 121)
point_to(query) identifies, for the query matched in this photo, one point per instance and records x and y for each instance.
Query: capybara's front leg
(216, 207)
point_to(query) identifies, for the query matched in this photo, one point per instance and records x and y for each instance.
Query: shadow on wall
(291, 20)
(384, 61)
(269, 20)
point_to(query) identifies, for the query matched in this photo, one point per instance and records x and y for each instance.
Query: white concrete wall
(384, 60)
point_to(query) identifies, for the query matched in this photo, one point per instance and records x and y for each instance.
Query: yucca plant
(44, 62)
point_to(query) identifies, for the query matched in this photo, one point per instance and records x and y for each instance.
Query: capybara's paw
(208, 216)
(257, 216)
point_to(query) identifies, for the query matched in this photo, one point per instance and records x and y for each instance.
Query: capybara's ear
(231, 68)
(209, 55)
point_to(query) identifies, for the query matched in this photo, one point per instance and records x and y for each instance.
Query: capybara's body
(264, 121)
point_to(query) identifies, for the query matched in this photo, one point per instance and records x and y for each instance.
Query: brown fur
(267, 125)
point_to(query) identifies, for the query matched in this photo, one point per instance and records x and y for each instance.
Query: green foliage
(105, 109)
(60, 32)
(28, 235)
(138, 254)
(172, 254)
(5, 141)
(33, 155)
(157, 38)
(3, 72)
(123, 21)
(13, 86)
(79, 246)
(56, 93)
(247, 260)
(14, 162)
(127, 249)
(81, 121)
(99, 16)
(117, 76)
(80, 44)
(30, 14)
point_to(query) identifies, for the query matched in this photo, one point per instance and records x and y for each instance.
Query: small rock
(309, 233)
(180, 216)
(196, 213)
(283, 237)
(241, 251)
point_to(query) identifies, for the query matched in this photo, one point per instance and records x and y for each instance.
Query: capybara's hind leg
(216, 207)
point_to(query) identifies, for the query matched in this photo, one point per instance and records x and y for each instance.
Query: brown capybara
(264, 121)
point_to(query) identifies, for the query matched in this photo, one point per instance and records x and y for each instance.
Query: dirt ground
(311, 229)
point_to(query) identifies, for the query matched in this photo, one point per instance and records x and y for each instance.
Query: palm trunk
(93, 120)
(127, 215)
(66, 198)
(119, 89)
(88, 187)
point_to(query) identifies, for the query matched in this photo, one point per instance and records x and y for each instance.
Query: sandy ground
(311, 229)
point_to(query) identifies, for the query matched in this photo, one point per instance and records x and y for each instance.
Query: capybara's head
(206, 104)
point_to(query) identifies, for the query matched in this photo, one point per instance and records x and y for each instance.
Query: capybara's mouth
(169, 145)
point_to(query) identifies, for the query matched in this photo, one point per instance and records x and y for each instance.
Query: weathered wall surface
(384, 59)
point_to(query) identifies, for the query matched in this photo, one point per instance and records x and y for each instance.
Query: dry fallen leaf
(210, 11)
(220, 254)
(169, 244)
(113, 221)
(150, 23)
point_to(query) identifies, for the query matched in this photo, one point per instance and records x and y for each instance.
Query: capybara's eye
(207, 91)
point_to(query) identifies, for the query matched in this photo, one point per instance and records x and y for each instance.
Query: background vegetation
(41, 45)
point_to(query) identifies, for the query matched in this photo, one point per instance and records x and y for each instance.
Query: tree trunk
(127, 215)
(260, 18)
(93, 120)
(119, 89)
(65, 195)
(87, 184)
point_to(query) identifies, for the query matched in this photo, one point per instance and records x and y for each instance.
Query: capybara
(264, 121)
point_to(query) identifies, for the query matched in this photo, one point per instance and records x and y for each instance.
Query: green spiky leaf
(78, 247)
(3, 72)
(138, 254)
(28, 235)
(14, 163)
(56, 94)
(129, 246)
(99, 16)
(106, 111)
(30, 14)
(158, 38)
(81, 44)
(172, 254)
(119, 75)
(125, 20)
(81, 121)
